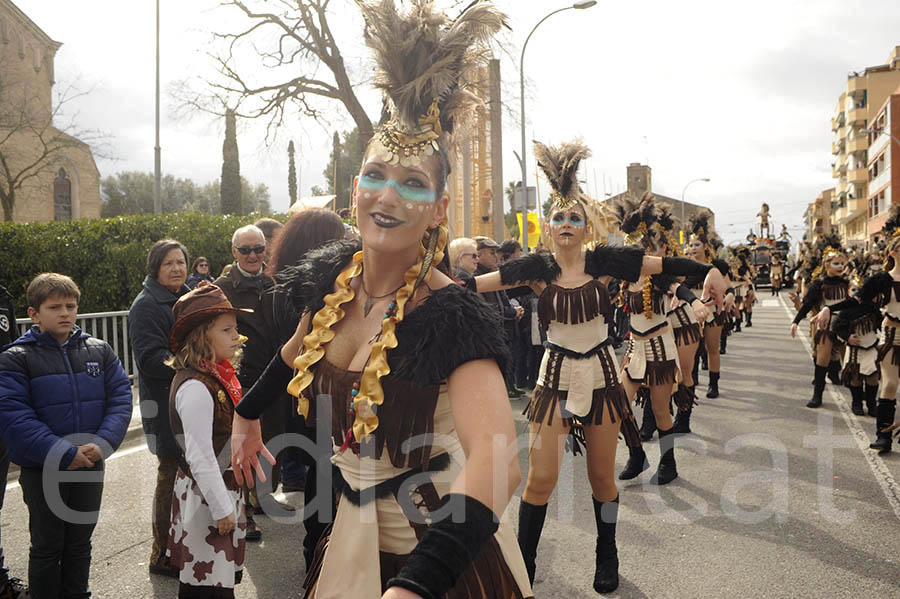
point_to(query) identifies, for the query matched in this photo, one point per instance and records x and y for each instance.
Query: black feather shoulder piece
(532, 267)
(309, 281)
(452, 327)
(620, 262)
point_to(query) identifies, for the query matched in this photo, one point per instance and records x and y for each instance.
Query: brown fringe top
(635, 301)
(407, 412)
(866, 324)
(834, 291)
(573, 305)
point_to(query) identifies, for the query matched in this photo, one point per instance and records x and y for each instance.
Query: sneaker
(15, 589)
(268, 503)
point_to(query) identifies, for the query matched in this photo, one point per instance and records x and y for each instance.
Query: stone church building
(65, 183)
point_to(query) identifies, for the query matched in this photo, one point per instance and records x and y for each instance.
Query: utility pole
(157, 160)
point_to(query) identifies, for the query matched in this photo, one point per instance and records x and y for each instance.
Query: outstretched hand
(793, 330)
(715, 286)
(822, 319)
(246, 447)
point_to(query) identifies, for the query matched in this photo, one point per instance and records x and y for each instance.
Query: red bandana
(225, 374)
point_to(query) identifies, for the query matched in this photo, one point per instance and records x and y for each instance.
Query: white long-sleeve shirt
(195, 407)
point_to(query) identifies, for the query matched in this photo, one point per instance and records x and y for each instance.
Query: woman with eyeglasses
(199, 272)
(579, 392)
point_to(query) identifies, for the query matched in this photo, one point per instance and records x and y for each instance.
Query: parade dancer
(651, 360)
(578, 391)
(776, 273)
(857, 327)
(411, 361)
(684, 319)
(883, 290)
(828, 287)
(745, 275)
(701, 248)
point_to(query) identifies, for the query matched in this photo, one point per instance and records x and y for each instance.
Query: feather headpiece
(423, 65)
(891, 226)
(636, 220)
(560, 166)
(698, 225)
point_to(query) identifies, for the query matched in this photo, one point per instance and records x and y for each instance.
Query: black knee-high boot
(856, 405)
(818, 387)
(871, 395)
(637, 463)
(666, 472)
(749, 319)
(531, 523)
(704, 359)
(723, 341)
(713, 390)
(648, 424)
(683, 415)
(886, 410)
(606, 575)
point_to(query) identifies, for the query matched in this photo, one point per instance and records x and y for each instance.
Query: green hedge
(107, 257)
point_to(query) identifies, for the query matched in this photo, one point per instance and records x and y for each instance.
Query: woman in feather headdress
(828, 286)
(882, 291)
(651, 361)
(401, 365)
(702, 247)
(578, 388)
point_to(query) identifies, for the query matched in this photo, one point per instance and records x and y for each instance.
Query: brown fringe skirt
(543, 404)
(652, 361)
(684, 327)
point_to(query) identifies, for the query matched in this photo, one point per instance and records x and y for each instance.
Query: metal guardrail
(111, 327)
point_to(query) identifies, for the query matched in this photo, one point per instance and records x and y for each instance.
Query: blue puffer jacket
(49, 391)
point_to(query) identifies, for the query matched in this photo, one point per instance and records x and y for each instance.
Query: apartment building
(818, 215)
(858, 106)
(884, 159)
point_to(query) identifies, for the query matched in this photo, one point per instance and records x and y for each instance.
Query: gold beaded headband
(395, 145)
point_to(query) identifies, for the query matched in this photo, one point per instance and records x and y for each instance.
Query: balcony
(837, 147)
(838, 170)
(858, 176)
(842, 132)
(856, 84)
(857, 115)
(857, 144)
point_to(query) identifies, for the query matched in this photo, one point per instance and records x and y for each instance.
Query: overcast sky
(740, 93)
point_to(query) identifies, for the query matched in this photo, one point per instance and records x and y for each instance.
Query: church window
(62, 196)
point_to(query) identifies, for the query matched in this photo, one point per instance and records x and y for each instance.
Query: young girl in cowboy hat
(206, 538)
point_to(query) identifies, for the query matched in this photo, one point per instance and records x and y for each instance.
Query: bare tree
(30, 140)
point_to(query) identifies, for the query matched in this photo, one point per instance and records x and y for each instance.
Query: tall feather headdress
(423, 62)
(698, 225)
(891, 228)
(636, 218)
(560, 166)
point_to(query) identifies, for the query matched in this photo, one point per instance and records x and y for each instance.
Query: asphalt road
(773, 500)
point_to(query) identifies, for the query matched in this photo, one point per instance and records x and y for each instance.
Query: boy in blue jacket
(65, 404)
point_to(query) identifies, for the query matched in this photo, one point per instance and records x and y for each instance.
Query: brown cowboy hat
(204, 302)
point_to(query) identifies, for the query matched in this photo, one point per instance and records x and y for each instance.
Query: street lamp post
(522, 159)
(704, 179)
(157, 166)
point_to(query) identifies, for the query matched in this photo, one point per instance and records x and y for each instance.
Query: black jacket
(150, 320)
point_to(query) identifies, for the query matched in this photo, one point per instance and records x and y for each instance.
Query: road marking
(883, 476)
(115, 456)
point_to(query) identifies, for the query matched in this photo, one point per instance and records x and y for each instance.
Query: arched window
(62, 196)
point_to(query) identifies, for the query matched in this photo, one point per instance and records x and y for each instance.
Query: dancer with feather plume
(579, 391)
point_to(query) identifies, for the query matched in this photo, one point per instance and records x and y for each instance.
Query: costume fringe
(661, 373)
(635, 301)
(573, 306)
(850, 373)
(684, 398)
(866, 324)
(827, 334)
(835, 291)
(643, 396)
(687, 334)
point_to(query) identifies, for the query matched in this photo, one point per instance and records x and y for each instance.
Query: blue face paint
(560, 219)
(407, 192)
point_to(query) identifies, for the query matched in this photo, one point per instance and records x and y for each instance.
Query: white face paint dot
(421, 208)
(409, 206)
(367, 195)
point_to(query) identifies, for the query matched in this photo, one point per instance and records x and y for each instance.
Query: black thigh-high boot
(606, 575)
(713, 390)
(818, 387)
(666, 472)
(856, 405)
(871, 395)
(531, 523)
(886, 410)
(648, 423)
(637, 463)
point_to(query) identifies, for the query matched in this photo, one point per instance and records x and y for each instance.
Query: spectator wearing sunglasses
(199, 272)
(246, 285)
(463, 259)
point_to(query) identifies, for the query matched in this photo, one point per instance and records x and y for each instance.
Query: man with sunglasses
(246, 285)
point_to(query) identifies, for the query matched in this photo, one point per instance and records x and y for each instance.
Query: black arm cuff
(447, 548)
(685, 294)
(684, 267)
(268, 388)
